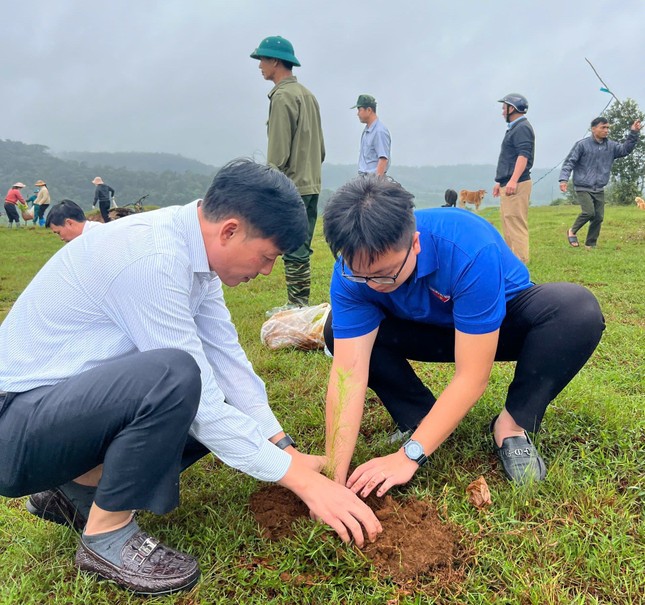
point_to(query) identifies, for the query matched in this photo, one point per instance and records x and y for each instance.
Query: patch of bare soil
(275, 508)
(415, 543)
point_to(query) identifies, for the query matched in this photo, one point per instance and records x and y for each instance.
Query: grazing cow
(640, 202)
(471, 197)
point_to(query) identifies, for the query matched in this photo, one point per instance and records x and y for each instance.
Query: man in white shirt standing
(141, 374)
(374, 156)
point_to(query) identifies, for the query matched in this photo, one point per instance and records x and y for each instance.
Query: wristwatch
(414, 451)
(285, 442)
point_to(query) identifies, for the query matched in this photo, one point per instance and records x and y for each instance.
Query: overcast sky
(175, 76)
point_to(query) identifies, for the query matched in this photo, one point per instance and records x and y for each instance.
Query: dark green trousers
(592, 204)
(297, 267)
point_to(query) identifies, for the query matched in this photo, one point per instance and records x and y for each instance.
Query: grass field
(578, 537)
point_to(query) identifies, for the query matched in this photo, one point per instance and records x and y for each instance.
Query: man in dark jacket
(591, 160)
(103, 195)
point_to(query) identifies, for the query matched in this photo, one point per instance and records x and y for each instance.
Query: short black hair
(599, 120)
(263, 197)
(65, 209)
(450, 197)
(367, 217)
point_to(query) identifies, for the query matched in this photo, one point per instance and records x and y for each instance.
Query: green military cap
(365, 101)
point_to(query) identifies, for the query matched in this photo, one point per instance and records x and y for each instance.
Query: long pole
(606, 88)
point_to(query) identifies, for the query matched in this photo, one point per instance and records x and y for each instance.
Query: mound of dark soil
(415, 542)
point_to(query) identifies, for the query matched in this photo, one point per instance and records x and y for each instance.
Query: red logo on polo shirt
(440, 296)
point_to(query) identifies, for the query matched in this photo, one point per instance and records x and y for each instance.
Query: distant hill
(138, 162)
(173, 179)
(72, 179)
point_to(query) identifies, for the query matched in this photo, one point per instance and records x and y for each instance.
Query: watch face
(413, 450)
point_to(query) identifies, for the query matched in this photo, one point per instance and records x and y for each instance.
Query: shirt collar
(282, 82)
(371, 126)
(194, 239)
(427, 261)
(511, 124)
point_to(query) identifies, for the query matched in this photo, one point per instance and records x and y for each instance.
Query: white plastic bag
(299, 328)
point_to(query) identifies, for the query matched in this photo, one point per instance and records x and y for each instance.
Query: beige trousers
(515, 219)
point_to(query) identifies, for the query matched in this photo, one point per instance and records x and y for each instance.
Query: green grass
(578, 537)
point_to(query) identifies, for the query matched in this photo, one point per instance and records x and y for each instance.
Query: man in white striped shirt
(140, 374)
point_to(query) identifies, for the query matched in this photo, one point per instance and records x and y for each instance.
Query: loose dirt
(415, 542)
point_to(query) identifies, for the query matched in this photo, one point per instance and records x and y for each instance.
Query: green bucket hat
(365, 101)
(276, 47)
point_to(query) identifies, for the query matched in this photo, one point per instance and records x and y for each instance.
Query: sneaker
(287, 307)
(54, 505)
(148, 567)
(520, 459)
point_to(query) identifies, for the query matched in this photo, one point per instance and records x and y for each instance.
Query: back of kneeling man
(140, 374)
(440, 286)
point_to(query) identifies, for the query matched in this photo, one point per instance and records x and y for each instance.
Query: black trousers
(132, 415)
(104, 207)
(550, 330)
(12, 213)
(42, 208)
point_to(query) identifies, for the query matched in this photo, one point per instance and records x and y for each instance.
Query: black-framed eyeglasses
(377, 279)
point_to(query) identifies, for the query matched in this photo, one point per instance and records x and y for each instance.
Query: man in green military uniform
(296, 148)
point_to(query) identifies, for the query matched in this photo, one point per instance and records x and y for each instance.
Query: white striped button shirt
(142, 283)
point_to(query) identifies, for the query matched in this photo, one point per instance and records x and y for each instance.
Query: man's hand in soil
(394, 469)
(332, 503)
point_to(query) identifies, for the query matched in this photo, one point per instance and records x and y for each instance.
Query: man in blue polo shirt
(443, 286)
(374, 155)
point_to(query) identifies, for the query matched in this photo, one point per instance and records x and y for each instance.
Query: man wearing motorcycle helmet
(513, 177)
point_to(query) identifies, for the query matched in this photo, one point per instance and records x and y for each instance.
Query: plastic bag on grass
(300, 328)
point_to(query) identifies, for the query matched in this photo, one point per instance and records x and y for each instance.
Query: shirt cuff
(271, 463)
(267, 422)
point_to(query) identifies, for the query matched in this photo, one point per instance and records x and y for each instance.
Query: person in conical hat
(43, 200)
(11, 200)
(103, 195)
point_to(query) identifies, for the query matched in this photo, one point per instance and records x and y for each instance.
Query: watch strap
(285, 442)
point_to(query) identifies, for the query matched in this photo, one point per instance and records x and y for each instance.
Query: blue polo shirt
(464, 275)
(375, 144)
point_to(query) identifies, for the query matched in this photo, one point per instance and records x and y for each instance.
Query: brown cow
(471, 197)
